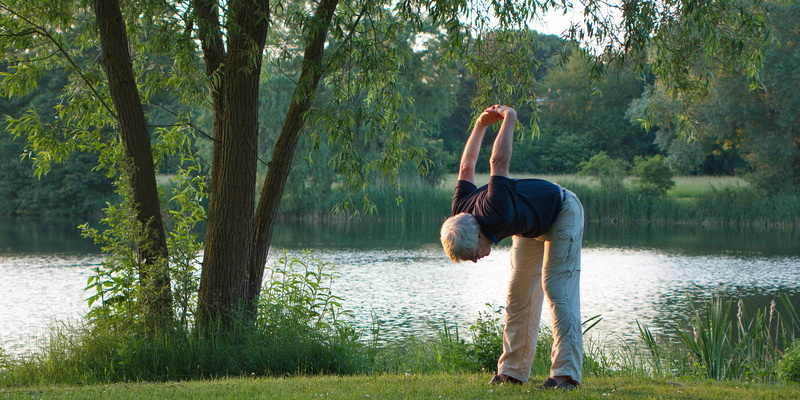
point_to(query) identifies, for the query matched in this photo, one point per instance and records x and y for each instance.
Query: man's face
(483, 249)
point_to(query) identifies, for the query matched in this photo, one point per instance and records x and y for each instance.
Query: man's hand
(495, 113)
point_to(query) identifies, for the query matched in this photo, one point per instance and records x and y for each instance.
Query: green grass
(408, 386)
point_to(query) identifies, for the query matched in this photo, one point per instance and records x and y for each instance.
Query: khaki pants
(549, 265)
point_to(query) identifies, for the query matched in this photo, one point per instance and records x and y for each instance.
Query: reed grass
(720, 344)
(723, 202)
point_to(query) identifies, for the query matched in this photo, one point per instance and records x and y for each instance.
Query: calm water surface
(398, 273)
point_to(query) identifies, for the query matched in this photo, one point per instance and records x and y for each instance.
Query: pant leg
(523, 308)
(561, 284)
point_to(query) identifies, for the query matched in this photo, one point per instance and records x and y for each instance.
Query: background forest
(739, 129)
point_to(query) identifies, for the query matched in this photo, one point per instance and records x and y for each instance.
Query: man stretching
(546, 225)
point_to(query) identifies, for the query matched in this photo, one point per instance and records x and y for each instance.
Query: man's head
(463, 240)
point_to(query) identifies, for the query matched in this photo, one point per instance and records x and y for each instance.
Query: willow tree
(209, 54)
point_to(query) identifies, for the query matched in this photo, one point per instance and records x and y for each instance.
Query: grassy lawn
(443, 386)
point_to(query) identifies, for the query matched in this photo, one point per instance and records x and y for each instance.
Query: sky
(556, 22)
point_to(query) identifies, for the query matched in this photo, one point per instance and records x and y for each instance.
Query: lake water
(398, 273)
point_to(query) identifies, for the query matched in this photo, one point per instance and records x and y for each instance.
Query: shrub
(609, 171)
(487, 338)
(655, 176)
(789, 365)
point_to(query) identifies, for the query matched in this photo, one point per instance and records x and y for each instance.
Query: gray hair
(459, 236)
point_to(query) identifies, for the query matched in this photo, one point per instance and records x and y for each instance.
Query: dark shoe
(569, 384)
(551, 383)
(500, 379)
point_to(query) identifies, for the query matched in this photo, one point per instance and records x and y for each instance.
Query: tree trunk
(151, 245)
(225, 273)
(280, 163)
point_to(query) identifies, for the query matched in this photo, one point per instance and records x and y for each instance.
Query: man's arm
(501, 151)
(466, 170)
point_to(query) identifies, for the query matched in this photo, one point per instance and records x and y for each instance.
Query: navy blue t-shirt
(505, 206)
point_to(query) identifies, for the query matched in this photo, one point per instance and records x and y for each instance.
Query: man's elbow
(500, 162)
(500, 166)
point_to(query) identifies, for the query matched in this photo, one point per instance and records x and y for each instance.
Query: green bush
(789, 365)
(609, 171)
(654, 175)
(487, 338)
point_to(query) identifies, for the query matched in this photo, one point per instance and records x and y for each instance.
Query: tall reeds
(719, 344)
(724, 206)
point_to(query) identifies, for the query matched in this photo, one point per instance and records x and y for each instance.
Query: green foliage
(487, 338)
(690, 41)
(653, 347)
(363, 121)
(186, 214)
(657, 112)
(590, 118)
(704, 202)
(655, 176)
(789, 365)
(106, 354)
(74, 187)
(115, 286)
(577, 119)
(719, 344)
(609, 171)
(300, 330)
(451, 352)
(738, 120)
(297, 299)
(736, 345)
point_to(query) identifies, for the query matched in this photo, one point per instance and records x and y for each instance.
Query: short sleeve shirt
(505, 206)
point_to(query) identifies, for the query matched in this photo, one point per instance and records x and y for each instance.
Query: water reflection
(685, 239)
(43, 235)
(397, 273)
(695, 239)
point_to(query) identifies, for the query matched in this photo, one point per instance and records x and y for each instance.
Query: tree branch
(210, 34)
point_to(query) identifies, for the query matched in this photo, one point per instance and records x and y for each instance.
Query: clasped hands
(495, 113)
